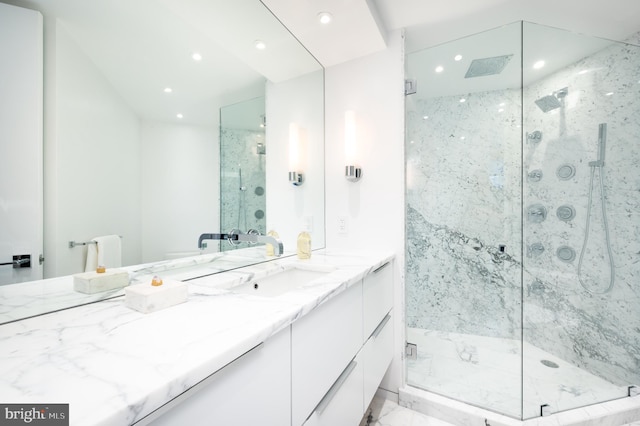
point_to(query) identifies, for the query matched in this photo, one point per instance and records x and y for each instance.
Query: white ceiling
(143, 46)
(360, 26)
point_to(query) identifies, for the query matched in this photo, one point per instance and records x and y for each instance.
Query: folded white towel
(106, 252)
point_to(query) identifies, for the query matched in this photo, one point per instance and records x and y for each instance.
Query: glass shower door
(463, 182)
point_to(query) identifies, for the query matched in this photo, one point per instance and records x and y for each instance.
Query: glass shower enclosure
(243, 153)
(523, 219)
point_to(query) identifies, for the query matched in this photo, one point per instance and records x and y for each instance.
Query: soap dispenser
(304, 245)
(269, 247)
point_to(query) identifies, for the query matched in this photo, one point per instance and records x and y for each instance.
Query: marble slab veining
(114, 365)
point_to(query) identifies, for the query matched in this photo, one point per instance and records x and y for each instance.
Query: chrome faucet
(250, 237)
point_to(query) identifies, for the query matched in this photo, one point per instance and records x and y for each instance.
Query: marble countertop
(114, 365)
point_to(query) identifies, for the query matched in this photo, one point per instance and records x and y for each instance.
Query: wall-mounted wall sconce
(296, 176)
(351, 171)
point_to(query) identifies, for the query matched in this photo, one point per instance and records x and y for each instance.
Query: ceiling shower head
(487, 66)
(548, 103)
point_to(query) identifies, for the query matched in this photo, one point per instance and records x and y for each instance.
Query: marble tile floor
(486, 372)
(385, 412)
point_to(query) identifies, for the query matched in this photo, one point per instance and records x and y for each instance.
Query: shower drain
(549, 364)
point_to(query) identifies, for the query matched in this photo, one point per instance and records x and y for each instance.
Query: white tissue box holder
(146, 298)
(94, 282)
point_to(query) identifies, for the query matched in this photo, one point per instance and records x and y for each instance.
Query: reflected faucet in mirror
(251, 236)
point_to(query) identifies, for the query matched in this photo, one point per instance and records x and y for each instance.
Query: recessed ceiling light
(260, 45)
(168, 90)
(608, 94)
(501, 110)
(439, 68)
(463, 137)
(457, 57)
(463, 100)
(324, 17)
(426, 117)
(583, 72)
(179, 115)
(196, 56)
(538, 65)
(501, 104)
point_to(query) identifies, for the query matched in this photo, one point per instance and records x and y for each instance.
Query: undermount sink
(282, 282)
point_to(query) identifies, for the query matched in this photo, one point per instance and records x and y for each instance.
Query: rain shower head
(487, 66)
(548, 103)
(553, 101)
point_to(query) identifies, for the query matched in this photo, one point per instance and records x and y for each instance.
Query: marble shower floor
(486, 372)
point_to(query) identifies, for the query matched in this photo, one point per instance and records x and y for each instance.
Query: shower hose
(606, 231)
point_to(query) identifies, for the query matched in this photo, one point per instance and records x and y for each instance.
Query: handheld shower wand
(598, 164)
(602, 143)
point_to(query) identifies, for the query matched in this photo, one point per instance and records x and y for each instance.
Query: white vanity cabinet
(343, 404)
(377, 355)
(377, 297)
(322, 344)
(254, 389)
(378, 327)
(323, 370)
(347, 398)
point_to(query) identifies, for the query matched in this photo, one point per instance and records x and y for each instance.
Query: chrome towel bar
(72, 244)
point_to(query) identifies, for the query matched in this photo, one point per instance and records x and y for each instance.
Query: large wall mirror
(166, 119)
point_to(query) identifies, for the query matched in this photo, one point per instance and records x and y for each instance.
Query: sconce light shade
(296, 177)
(351, 171)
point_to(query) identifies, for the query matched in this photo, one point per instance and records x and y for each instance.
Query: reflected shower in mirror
(134, 96)
(242, 168)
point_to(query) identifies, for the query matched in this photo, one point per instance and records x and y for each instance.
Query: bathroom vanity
(311, 351)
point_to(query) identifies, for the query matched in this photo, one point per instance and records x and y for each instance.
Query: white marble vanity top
(114, 365)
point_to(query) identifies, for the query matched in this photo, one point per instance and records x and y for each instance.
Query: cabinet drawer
(377, 356)
(343, 404)
(378, 296)
(253, 389)
(322, 345)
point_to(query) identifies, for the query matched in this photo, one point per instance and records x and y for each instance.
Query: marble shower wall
(463, 195)
(467, 195)
(595, 331)
(241, 154)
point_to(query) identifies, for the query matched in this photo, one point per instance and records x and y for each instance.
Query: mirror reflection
(154, 130)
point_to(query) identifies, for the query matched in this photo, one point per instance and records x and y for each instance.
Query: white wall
(92, 169)
(291, 208)
(372, 86)
(20, 141)
(180, 187)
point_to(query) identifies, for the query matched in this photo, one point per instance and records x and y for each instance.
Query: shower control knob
(535, 136)
(536, 213)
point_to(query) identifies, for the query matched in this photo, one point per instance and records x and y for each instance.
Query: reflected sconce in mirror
(351, 171)
(296, 177)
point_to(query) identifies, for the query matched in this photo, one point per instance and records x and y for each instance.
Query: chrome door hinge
(41, 259)
(410, 350)
(410, 86)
